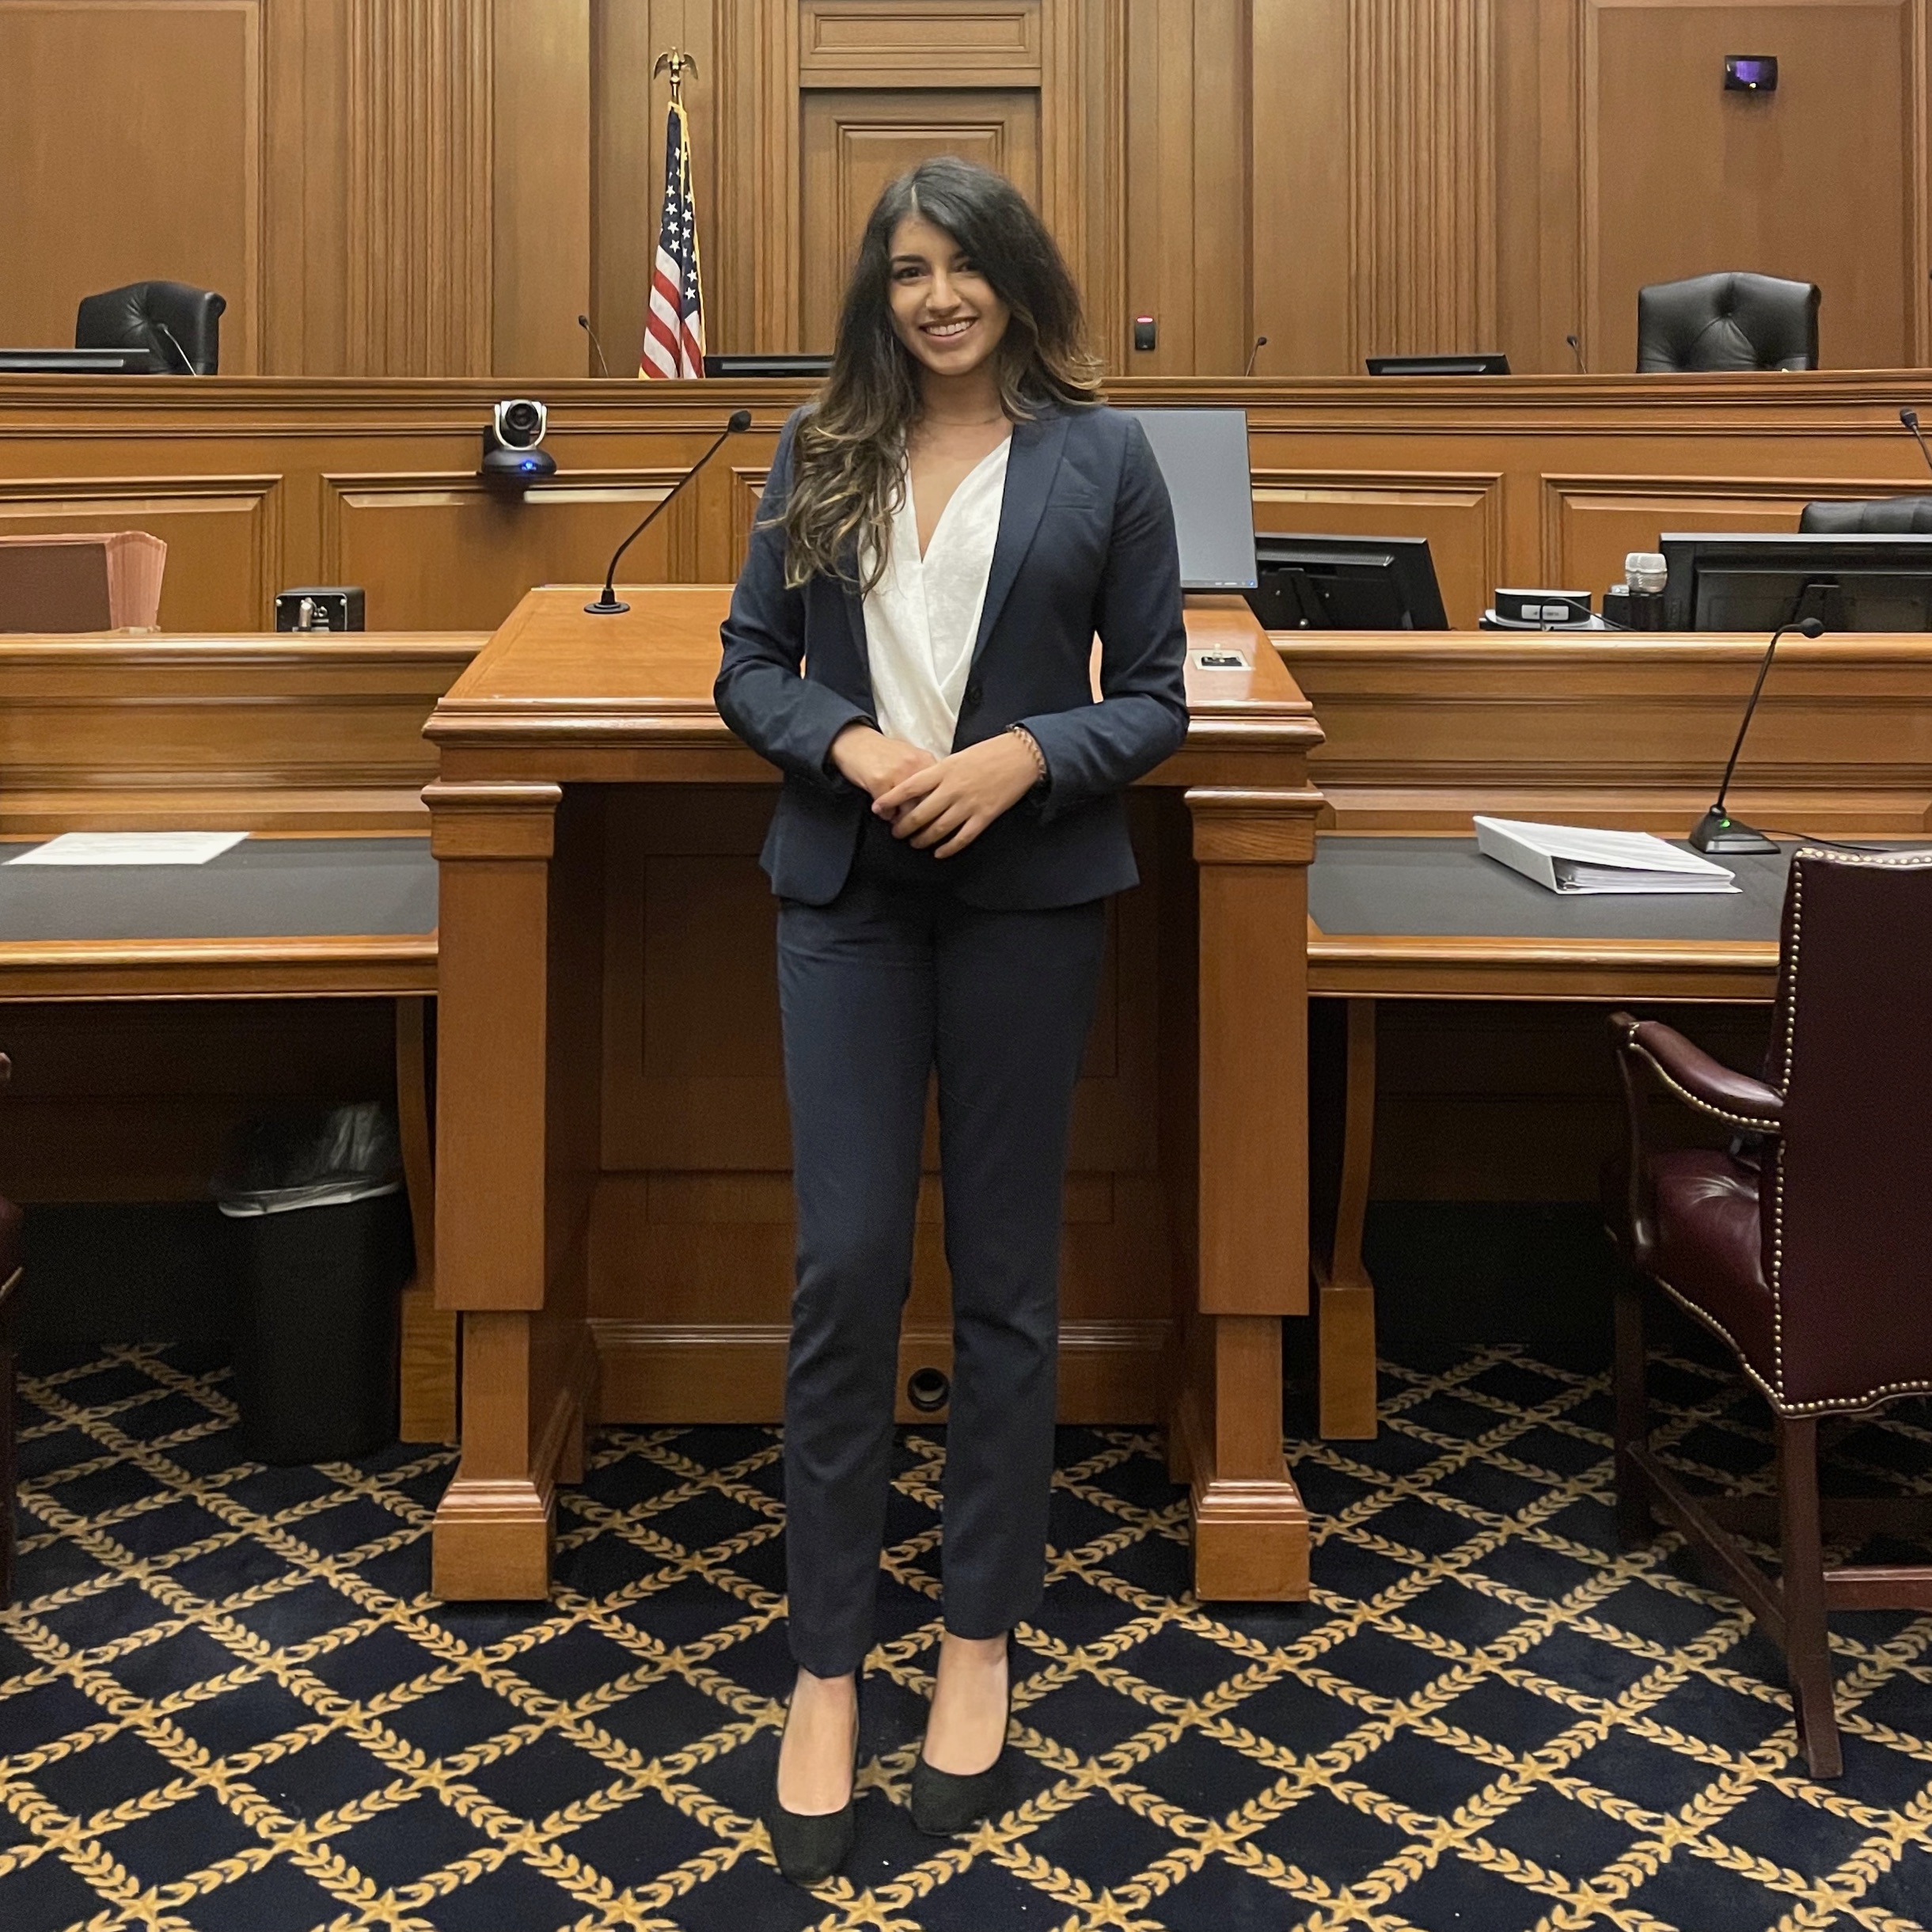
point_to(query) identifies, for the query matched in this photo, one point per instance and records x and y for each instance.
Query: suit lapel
(1032, 464)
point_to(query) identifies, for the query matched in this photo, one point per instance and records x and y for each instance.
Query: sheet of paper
(130, 848)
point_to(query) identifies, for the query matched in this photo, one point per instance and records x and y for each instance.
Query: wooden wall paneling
(758, 175)
(1539, 299)
(395, 535)
(305, 227)
(132, 1101)
(1422, 143)
(419, 241)
(1187, 134)
(857, 140)
(919, 44)
(156, 733)
(1084, 100)
(1485, 1101)
(1461, 516)
(538, 188)
(227, 529)
(693, 1228)
(1680, 177)
(1591, 523)
(131, 143)
(1621, 732)
(1301, 174)
(1224, 309)
(627, 111)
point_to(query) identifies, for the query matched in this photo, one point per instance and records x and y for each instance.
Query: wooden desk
(613, 1197)
(256, 483)
(1423, 730)
(136, 1048)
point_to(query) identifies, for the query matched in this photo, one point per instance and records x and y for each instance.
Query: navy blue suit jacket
(1086, 544)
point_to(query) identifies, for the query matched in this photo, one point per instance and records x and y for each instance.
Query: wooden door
(855, 141)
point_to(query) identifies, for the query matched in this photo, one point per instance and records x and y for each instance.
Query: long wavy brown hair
(848, 458)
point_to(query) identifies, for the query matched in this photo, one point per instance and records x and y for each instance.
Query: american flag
(674, 327)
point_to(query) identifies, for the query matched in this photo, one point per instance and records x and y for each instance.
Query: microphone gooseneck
(583, 322)
(1261, 343)
(1576, 349)
(161, 329)
(1716, 831)
(1910, 418)
(609, 604)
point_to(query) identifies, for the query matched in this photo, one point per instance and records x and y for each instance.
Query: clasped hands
(928, 800)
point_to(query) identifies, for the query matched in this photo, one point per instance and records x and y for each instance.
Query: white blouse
(922, 617)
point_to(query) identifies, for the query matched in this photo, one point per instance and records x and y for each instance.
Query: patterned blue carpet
(227, 1704)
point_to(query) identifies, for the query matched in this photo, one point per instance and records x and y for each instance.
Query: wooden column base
(1251, 1527)
(523, 1435)
(492, 1539)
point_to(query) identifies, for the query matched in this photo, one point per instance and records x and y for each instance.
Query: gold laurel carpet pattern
(227, 1702)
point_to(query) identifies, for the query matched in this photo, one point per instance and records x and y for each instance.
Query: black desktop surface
(1443, 888)
(1477, 363)
(264, 888)
(78, 362)
(776, 366)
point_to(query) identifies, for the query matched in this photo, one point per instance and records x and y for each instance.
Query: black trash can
(315, 1212)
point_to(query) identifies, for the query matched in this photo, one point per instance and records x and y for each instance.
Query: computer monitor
(1756, 581)
(1483, 363)
(79, 362)
(1203, 455)
(789, 368)
(1346, 583)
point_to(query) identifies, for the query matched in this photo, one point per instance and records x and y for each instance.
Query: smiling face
(943, 308)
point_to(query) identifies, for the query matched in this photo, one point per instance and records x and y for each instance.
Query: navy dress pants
(895, 978)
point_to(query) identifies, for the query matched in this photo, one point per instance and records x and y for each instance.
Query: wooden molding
(734, 1372)
(1422, 149)
(419, 244)
(1254, 828)
(511, 820)
(919, 43)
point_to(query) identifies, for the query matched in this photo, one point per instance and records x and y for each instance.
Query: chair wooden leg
(1630, 1426)
(1808, 1655)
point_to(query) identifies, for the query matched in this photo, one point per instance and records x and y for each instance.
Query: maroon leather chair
(1811, 1258)
(11, 1221)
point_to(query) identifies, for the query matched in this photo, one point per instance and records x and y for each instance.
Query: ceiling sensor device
(1751, 74)
(512, 457)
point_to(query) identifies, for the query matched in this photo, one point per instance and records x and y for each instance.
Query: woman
(941, 536)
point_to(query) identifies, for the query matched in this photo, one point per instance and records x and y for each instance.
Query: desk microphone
(1261, 343)
(1910, 418)
(609, 604)
(1576, 349)
(1716, 831)
(583, 322)
(161, 328)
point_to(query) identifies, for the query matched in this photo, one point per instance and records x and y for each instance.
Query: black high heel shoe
(810, 1847)
(945, 1803)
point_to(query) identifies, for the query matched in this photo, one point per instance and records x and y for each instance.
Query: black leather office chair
(144, 314)
(1880, 516)
(1727, 321)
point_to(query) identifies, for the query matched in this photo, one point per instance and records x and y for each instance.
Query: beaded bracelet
(1033, 745)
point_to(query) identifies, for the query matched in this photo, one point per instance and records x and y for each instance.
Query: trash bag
(314, 1158)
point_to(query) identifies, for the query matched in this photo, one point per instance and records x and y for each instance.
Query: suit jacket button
(974, 693)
